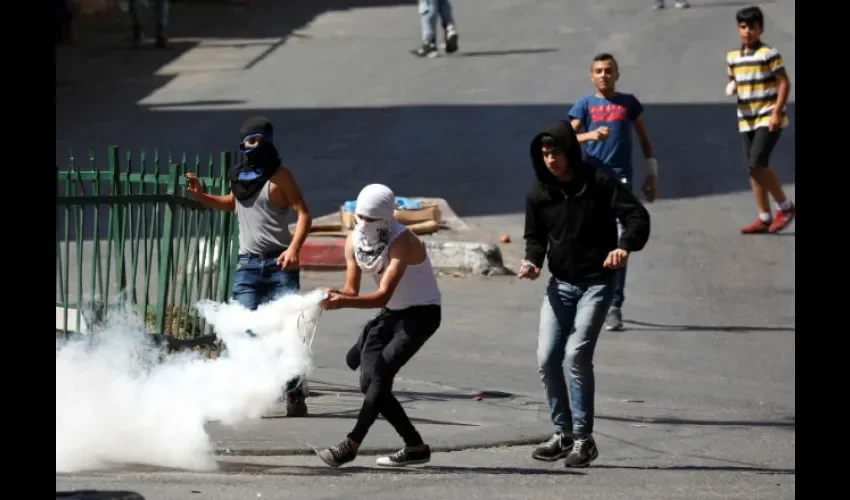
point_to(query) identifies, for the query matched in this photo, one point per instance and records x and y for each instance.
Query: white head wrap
(372, 238)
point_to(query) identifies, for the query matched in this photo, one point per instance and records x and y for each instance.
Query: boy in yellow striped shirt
(757, 74)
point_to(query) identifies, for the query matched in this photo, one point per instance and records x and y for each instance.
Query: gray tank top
(263, 227)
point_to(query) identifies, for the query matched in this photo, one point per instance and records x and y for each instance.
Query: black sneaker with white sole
(558, 446)
(338, 455)
(406, 456)
(584, 451)
(427, 49)
(451, 40)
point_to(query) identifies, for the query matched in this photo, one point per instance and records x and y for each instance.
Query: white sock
(765, 216)
(785, 205)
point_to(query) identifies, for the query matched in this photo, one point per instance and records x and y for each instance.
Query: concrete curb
(484, 259)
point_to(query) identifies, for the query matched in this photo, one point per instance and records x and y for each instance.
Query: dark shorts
(758, 144)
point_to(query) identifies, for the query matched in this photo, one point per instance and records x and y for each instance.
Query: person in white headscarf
(410, 312)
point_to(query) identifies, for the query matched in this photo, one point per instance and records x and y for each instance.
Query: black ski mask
(261, 161)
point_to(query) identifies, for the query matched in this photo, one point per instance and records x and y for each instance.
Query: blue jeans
(571, 318)
(160, 9)
(428, 12)
(258, 280)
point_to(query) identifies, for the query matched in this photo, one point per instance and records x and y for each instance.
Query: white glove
(651, 167)
(731, 87)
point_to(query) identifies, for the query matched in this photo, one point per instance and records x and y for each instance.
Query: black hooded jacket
(574, 223)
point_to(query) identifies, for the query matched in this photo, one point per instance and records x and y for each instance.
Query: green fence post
(117, 216)
(224, 265)
(166, 250)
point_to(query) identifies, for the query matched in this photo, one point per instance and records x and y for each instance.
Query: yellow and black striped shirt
(755, 75)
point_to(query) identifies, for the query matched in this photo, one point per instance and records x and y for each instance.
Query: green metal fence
(127, 236)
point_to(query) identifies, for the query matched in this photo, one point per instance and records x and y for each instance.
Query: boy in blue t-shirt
(608, 116)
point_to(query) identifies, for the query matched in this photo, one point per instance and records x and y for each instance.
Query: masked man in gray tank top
(262, 193)
(409, 299)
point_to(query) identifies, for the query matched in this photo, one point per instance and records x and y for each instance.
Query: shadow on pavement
(677, 421)
(253, 468)
(709, 328)
(702, 468)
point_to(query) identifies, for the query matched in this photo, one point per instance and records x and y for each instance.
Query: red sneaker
(759, 226)
(782, 219)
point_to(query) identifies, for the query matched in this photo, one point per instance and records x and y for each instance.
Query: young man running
(608, 117)
(410, 312)
(571, 217)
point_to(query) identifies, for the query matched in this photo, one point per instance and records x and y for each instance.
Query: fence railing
(129, 236)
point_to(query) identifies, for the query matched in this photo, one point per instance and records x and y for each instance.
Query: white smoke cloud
(117, 403)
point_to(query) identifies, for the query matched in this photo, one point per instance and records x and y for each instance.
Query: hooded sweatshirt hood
(566, 140)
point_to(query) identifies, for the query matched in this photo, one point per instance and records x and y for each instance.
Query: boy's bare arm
(226, 203)
(643, 138)
(784, 89)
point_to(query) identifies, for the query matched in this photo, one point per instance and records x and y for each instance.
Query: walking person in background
(608, 117)
(571, 218)
(758, 79)
(680, 4)
(160, 10)
(429, 10)
(262, 193)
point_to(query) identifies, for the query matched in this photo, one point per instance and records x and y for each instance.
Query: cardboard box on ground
(423, 220)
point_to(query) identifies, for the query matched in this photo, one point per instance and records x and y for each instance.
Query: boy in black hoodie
(571, 217)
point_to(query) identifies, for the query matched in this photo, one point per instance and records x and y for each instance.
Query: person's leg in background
(428, 13)
(160, 8)
(614, 319)
(448, 20)
(161, 19)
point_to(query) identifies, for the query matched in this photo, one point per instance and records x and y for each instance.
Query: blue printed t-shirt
(618, 114)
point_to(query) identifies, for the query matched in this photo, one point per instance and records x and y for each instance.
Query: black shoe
(339, 454)
(406, 456)
(296, 406)
(584, 451)
(427, 49)
(451, 40)
(558, 446)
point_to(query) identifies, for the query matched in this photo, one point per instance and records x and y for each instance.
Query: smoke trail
(117, 403)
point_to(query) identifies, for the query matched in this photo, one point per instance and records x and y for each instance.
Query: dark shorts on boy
(758, 144)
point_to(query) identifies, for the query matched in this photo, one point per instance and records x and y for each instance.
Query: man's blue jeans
(258, 280)
(428, 12)
(571, 318)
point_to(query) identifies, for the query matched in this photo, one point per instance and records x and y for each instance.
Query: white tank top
(418, 285)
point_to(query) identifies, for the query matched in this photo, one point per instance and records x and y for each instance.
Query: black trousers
(387, 343)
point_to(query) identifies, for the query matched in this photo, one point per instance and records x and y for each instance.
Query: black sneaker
(558, 446)
(427, 49)
(339, 454)
(584, 451)
(406, 456)
(451, 40)
(296, 406)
